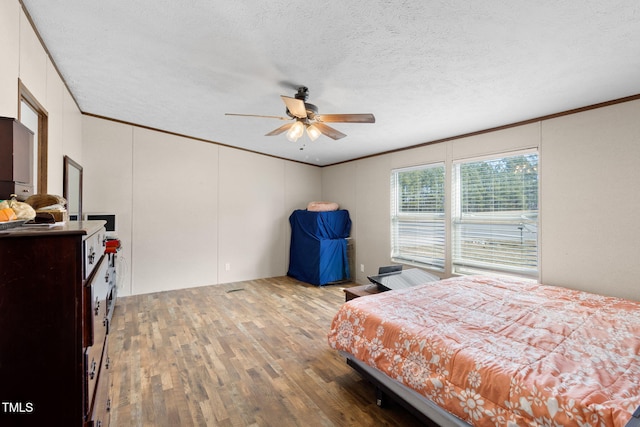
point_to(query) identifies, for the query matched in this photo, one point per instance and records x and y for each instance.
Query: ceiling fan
(305, 117)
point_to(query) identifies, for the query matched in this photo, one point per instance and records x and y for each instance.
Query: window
(495, 215)
(417, 215)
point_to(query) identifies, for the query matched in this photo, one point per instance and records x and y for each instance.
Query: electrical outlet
(362, 268)
(227, 267)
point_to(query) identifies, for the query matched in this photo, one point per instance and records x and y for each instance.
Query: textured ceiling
(426, 69)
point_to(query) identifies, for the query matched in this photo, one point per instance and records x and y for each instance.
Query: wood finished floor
(251, 353)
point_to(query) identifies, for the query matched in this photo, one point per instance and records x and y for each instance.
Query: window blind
(417, 215)
(495, 215)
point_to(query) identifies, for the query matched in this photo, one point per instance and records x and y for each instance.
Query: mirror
(72, 188)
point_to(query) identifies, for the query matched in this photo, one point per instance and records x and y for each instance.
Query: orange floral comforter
(499, 352)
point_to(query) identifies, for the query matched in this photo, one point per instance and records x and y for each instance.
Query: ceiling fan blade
(346, 118)
(256, 115)
(329, 131)
(281, 129)
(295, 106)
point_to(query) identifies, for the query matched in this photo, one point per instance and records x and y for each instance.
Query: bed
(488, 351)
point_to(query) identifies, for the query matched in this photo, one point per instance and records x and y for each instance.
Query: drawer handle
(92, 373)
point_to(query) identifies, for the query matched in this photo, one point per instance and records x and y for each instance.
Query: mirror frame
(66, 190)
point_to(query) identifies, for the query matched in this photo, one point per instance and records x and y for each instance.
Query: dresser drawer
(96, 293)
(93, 249)
(112, 295)
(101, 414)
(92, 365)
(97, 391)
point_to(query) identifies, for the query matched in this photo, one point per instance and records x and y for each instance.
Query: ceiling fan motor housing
(303, 93)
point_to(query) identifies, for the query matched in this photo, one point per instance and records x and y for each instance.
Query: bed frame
(422, 408)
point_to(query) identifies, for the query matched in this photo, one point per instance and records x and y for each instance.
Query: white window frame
(487, 242)
(424, 230)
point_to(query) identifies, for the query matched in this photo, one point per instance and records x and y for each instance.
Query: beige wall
(190, 213)
(10, 12)
(174, 212)
(590, 202)
(24, 58)
(589, 234)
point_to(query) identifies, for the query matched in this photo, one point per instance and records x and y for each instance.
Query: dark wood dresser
(57, 295)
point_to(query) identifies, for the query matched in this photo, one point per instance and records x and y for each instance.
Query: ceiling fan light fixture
(313, 132)
(303, 115)
(295, 132)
